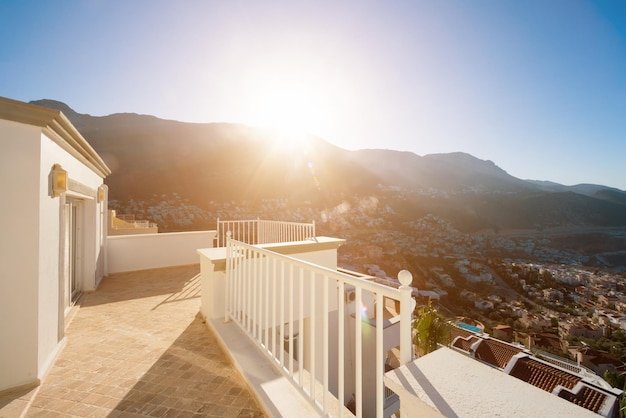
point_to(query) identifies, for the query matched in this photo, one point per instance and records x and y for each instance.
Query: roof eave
(58, 128)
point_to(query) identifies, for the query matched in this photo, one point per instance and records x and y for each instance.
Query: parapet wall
(149, 251)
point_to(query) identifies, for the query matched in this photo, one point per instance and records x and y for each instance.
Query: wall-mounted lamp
(101, 194)
(59, 180)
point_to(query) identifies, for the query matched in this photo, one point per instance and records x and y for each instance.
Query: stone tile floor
(138, 347)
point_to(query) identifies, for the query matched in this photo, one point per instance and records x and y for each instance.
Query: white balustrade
(258, 231)
(296, 312)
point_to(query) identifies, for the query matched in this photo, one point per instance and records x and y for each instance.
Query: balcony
(126, 224)
(302, 336)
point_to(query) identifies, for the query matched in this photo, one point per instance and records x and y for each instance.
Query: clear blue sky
(538, 87)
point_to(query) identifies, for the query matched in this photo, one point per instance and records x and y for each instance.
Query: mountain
(218, 161)
(213, 161)
(586, 189)
(544, 210)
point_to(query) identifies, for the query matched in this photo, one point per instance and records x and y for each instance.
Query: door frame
(72, 250)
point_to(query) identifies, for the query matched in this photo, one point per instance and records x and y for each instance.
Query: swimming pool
(469, 327)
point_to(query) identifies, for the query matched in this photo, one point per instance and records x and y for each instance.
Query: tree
(615, 379)
(431, 328)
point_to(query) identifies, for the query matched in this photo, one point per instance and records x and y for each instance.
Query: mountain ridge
(211, 161)
(465, 158)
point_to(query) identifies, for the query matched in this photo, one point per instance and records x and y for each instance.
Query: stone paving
(137, 347)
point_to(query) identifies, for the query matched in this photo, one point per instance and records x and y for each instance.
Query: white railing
(130, 218)
(143, 224)
(297, 312)
(259, 231)
(563, 363)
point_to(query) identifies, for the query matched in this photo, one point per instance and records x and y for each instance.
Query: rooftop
(496, 353)
(138, 347)
(455, 385)
(575, 386)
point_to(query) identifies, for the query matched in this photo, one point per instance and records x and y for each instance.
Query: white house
(53, 227)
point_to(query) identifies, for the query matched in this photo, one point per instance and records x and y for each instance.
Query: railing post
(218, 232)
(229, 269)
(406, 310)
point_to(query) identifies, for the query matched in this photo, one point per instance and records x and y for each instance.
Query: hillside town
(519, 289)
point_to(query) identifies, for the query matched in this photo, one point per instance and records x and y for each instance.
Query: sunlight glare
(290, 107)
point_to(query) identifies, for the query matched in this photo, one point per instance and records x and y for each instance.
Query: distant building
(552, 294)
(579, 330)
(530, 320)
(622, 322)
(483, 304)
(504, 333)
(598, 361)
(545, 341)
(607, 301)
(127, 225)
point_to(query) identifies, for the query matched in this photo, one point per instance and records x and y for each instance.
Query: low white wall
(149, 251)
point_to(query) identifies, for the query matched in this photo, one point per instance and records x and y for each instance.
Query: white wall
(149, 251)
(31, 221)
(19, 223)
(51, 302)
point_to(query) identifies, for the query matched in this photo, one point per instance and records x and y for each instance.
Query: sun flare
(291, 108)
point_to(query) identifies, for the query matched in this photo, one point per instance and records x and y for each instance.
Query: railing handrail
(282, 222)
(131, 221)
(136, 224)
(349, 279)
(260, 231)
(253, 274)
(564, 363)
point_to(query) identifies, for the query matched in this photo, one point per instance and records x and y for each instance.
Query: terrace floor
(138, 347)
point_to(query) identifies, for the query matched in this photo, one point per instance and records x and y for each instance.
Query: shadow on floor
(119, 287)
(13, 402)
(192, 378)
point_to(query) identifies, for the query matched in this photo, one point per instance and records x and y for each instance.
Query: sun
(290, 107)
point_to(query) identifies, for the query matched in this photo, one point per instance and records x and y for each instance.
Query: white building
(53, 229)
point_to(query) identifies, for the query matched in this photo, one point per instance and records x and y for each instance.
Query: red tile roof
(539, 373)
(542, 375)
(496, 352)
(460, 332)
(586, 397)
(464, 343)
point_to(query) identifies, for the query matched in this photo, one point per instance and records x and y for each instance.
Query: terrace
(137, 347)
(283, 342)
(268, 329)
